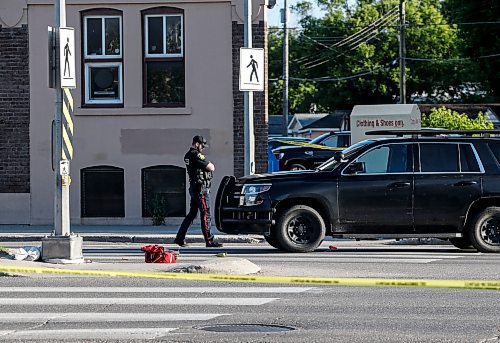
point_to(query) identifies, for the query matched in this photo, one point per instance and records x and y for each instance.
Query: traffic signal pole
(249, 138)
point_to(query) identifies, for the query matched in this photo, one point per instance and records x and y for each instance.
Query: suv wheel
(296, 166)
(273, 241)
(461, 243)
(300, 229)
(485, 230)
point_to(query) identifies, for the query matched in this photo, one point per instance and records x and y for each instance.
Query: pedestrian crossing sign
(67, 57)
(252, 69)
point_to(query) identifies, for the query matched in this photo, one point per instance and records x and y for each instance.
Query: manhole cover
(245, 328)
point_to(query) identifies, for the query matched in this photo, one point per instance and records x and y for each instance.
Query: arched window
(102, 192)
(164, 187)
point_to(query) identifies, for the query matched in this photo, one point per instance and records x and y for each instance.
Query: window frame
(164, 55)
(103, 56)
(457, 144)
(410, 146)
(156, 12)
(101, 60)
(87, 67)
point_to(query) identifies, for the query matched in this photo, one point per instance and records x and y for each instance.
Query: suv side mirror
(338, 156)
(356, 167)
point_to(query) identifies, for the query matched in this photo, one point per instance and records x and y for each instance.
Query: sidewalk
(119, 233)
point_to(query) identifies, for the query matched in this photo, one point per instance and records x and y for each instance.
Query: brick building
(150, 75)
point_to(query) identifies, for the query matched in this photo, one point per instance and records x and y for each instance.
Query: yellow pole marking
(462, 284)
(67, 143)
(68, 118)
(63, 155)
(67, 92)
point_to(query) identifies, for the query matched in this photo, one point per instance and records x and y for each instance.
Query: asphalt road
(119, 309)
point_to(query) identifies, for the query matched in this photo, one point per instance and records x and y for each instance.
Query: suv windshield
(332, 164)
(318, 139)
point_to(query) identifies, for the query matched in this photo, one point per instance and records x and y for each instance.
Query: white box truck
(366, 118)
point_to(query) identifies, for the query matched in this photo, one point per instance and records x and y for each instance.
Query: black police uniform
(200, 180)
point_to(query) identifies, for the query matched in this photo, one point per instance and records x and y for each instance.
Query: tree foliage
(445, 118)
(339, 60)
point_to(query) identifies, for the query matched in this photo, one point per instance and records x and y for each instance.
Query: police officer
(200, 178)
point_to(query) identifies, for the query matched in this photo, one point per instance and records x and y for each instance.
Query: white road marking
(137, 301)
(115, 334)
(87, 317)
(166, 290)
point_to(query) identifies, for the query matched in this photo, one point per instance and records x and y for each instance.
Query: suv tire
(461, 243)
(485, 230)
(273, 241)
(300, 229)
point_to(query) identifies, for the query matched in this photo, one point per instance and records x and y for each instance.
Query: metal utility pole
(62, 245)
(249, 138)
(402, 53)
(285, 69)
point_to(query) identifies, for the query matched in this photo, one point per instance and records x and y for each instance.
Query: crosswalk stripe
(115, 334)
(166, 290)
(137, 301)
(64, 317)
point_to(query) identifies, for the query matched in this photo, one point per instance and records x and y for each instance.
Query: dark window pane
(468, 160)
(104, 83)
(439, 158)
(399, 158)
(112, 36)
(174, 35)
(165, 82)
(103, 192)
(164, 190)
(94, 36)
(495, 149)
(155, 35)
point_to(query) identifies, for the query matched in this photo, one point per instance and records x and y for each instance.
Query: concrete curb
(153, 239)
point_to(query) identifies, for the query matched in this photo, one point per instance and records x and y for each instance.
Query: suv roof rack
(432, 132)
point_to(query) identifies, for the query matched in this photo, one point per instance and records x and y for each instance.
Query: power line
(329, 79)
(408, 25)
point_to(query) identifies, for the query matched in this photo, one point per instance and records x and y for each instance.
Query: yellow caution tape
(309, 145)
(463, 284)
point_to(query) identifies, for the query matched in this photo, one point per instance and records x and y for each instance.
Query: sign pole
(62, 246)
(249, 155)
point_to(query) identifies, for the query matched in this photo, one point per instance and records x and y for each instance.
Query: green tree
(349, 62)
(445, 118)
(480, 32)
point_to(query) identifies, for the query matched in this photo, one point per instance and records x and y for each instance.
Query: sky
(274, 16)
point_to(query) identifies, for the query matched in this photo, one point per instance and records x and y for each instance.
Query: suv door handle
(465, 183)
(399, 185)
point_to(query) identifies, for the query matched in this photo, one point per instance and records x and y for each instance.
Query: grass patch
(3, 250)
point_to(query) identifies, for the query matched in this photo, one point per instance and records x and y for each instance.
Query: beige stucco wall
(106, 136)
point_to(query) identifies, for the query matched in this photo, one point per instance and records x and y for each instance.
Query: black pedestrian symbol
(254, 65)
(67, 53)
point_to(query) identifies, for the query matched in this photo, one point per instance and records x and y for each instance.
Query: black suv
(443, 184)
(312, 154)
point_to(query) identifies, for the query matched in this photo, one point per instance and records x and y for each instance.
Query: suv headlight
(251, 193)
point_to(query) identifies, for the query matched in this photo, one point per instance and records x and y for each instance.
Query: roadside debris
(158, 254)
(28, 253)
(221, 254)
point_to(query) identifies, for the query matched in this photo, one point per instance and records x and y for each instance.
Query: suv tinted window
(468, 162)
(436, 157)
(393, 158)
(330, 141)
(495, 149)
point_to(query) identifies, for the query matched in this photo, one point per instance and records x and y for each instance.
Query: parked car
(276, 142)
(440, 185)
(312, 154)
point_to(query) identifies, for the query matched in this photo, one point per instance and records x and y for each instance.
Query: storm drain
(245, 328)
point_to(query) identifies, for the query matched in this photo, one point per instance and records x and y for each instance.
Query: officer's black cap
(200, 139)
